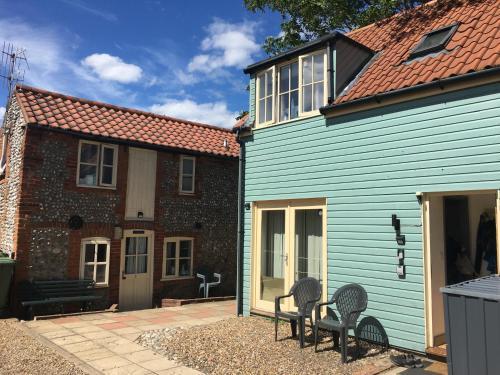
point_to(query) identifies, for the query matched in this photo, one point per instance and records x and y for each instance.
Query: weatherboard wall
(369, 165)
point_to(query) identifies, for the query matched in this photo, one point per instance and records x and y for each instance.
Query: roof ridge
(116, 107)
(398, 14)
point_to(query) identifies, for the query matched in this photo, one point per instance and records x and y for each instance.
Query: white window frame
(276, 90)
(273, 96)
(278, 93)
(95, 241)
(99, 165)
(102, 165)
(177, 258)
(325, 83)
(181, 174)
(80, 145)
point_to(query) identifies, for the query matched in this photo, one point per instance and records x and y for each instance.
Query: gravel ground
(22, 354)
(247, 346)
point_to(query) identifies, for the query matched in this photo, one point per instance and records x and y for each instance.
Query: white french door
(289, 244)
(272, 260)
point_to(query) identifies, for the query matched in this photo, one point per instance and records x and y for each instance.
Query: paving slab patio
(105, 341)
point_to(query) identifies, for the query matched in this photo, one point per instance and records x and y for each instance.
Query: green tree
(304, 20)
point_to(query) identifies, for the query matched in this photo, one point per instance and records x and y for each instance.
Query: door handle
(286, 259)
(123, 275)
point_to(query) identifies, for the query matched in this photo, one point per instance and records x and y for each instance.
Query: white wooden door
(141, 184)
(271, 257)
(136, 285)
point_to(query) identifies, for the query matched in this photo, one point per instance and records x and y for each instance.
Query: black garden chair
(369, 329)
(306, 292)
(350, 300)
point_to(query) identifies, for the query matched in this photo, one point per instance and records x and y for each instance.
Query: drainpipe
(329, 71)
(239, 247)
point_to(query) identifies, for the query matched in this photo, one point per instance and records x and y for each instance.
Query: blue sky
(180, 58)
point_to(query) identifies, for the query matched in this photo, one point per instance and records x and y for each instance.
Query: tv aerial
(13, 64)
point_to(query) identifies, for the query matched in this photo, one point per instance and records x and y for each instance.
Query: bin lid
(487, 287)
(4, 258)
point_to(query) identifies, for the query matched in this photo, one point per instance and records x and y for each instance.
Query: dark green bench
(57, 292)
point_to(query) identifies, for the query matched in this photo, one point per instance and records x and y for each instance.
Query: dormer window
(434, 41)
(313, 82)
(301, 89)
(296, 84)
(265, 97)
(289, 91)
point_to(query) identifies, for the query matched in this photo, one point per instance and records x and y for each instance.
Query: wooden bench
(57, 292)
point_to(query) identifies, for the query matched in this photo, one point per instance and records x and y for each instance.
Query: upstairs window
(434, 41)
(187, 172)
(301, 87)
(288, 92)
(265, 97)
(107, 165)
(97, 164)
(313, 82)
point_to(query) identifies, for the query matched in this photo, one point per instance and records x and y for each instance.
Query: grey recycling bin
(6, 272)
(472, 318)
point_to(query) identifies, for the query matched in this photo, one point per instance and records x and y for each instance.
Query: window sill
(97, 187)
(101, 286)
(129, 218)
(266, 124)
(173, 278)
(301, 117)
(188, 193)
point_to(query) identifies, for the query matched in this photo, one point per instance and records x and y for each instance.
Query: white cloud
(228, 45)
(2, 113)
(52, 64)
(214, 113)
(186, 78)
(43, 51)
(112, 68)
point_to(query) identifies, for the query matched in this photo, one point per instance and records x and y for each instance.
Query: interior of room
(461, 244)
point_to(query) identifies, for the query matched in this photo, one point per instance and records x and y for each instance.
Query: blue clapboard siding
(369, 165)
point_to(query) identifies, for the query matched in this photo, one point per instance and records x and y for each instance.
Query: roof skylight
(434, 41)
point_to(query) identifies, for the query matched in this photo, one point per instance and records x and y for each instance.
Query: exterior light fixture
(140, 214)
(419, 195)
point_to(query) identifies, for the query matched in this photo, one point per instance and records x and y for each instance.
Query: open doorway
(460, 244)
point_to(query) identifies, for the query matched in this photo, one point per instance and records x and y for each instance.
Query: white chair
(213, 284)
(203, 284)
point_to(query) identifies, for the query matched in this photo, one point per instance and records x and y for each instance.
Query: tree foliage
(304, 20)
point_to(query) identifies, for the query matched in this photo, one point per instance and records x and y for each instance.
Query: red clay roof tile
(56, 110)
(475, 46)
